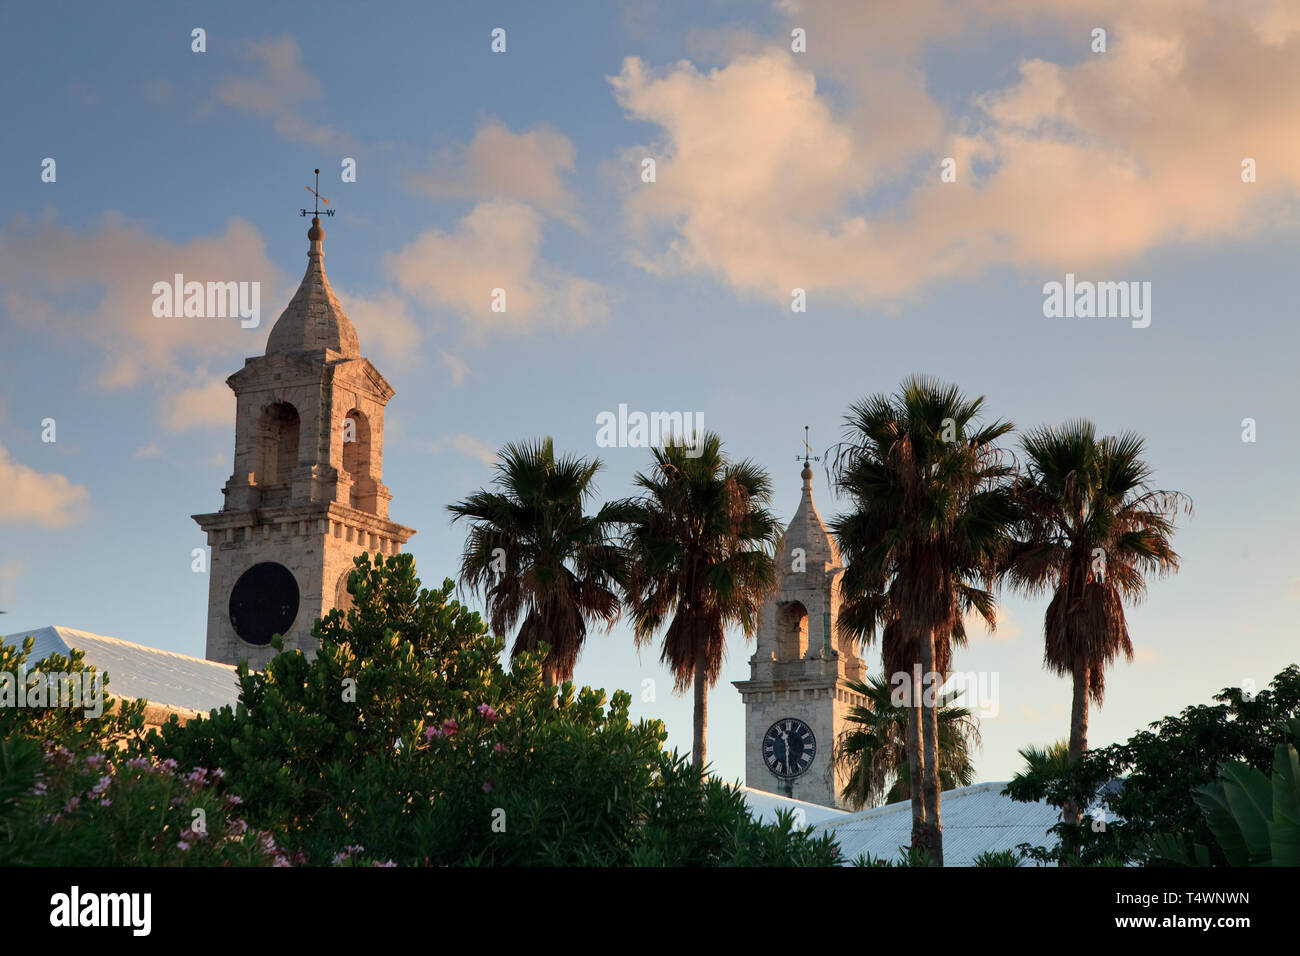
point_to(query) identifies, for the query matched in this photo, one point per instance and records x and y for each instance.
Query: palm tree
(1094, 529)
(874, 750)
(535, 555)
(701, 543)
(931, 520)
(1051, 760)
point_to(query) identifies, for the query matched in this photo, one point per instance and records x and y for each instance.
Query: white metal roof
(975, 819)
(764, 806)
(137, 671)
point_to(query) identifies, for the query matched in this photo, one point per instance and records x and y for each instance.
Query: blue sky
(775, 170)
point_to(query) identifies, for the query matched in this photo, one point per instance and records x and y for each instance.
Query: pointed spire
(807, 530)
(314, 320)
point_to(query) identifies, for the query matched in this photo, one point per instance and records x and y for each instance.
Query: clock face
(263, 602)
(789, 747)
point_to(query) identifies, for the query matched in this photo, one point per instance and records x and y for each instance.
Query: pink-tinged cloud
(496, 247)
(210, 404)
(43, 499)
(769, 183)
(96, 288)
(526, 167)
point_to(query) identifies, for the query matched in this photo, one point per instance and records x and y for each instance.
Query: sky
(1170, 157)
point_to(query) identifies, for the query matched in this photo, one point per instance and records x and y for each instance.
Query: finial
(806, 458)
(316, 211)
(807, 455)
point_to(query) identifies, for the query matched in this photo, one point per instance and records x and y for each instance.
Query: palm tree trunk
(1078, 743)
(548, 674)
(701, 705)
(915, 760)
(930, 745)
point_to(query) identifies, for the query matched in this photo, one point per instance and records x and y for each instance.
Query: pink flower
(431, 732)
(498, 748)
(449, 726)
(182, 845)
(487, 786)
(488, 713)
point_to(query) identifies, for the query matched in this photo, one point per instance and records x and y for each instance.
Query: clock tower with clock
(306, 495)
(797, 696)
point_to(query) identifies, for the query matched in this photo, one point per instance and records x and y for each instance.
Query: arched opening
(791, 631)
(278, 444)
(356, 444)
(342, 596)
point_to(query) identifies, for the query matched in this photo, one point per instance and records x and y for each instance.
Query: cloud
(151, 450)
(94, 290)
(277, 91)
(384, 325)
(456, 368)
(210, 404)
(468, 446)
(768, 182)
(1007, 629)
(46, 500)
(496, 246)
(498, 164)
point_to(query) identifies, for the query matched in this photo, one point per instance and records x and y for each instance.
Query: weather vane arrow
(319, 199)
(807, 450)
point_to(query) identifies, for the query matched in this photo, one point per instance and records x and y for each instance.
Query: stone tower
(797, 696)
(307, 495)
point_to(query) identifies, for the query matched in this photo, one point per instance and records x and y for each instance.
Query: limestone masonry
(306, 495)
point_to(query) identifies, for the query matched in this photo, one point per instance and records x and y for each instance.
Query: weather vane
(319, 199)
(807, 450)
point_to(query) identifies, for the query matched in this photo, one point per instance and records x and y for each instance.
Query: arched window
(356, 444)
(791, 631)
(278, 448)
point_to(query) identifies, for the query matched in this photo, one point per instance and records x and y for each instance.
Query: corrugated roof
(975, 819)
(137, 671)
(764, 805)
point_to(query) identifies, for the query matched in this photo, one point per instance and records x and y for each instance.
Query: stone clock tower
(307, 495)
(797, 696)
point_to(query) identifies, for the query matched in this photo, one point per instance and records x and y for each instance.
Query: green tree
(931, 516)
(406, 740)
(535, 554)
(1255, 818)
(701, 543)
(1143, 788)
(1094, 530)
(874, 747)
